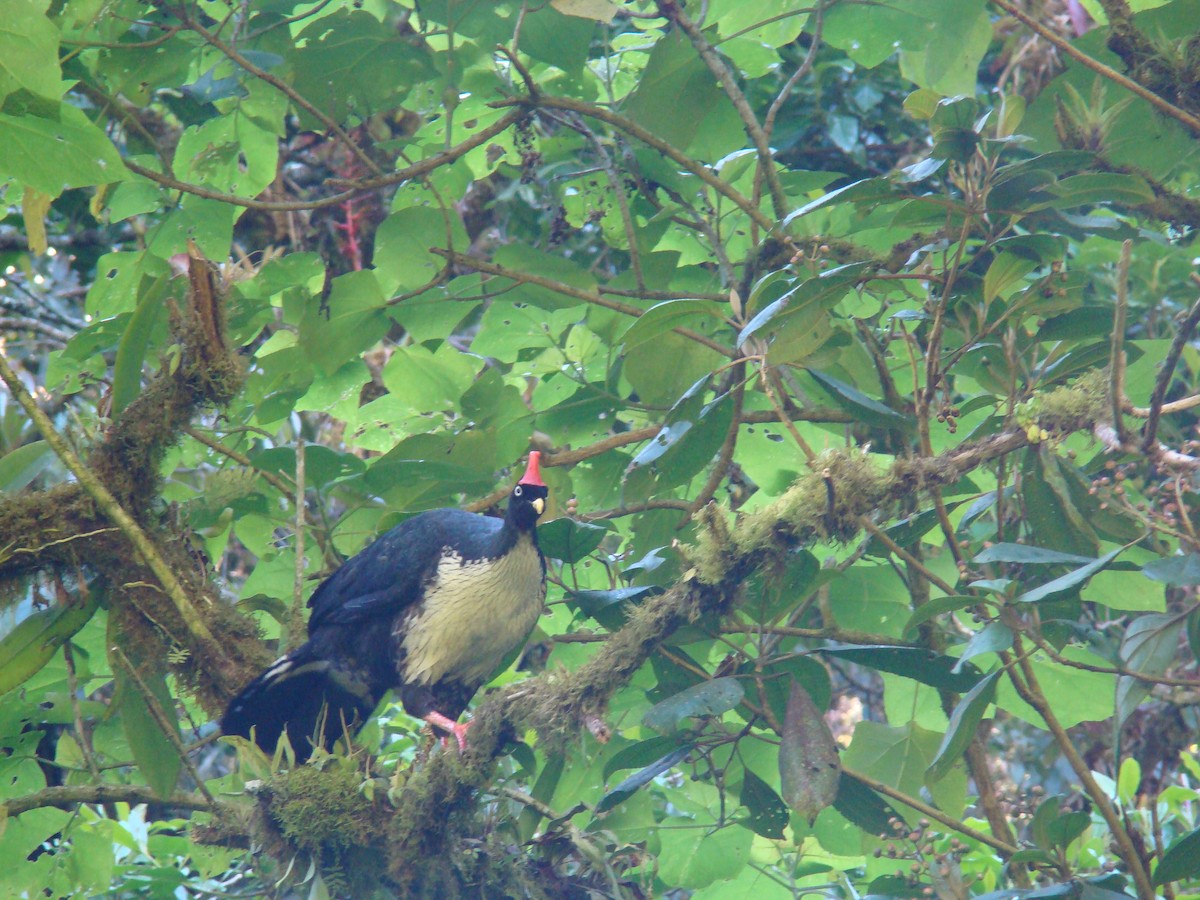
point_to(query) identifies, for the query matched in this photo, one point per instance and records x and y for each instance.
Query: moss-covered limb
(70, 796)
(207, 374)
(107, 504)
(94, 521)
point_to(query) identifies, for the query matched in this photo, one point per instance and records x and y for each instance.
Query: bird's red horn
(533, 472)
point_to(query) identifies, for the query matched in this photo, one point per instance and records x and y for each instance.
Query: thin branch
(1182, 335)
(288, 91)
(240, 458)
(673, 10)
(631, 128)
(934, 813)
(364, 186)
(295, 624)
(164, 723)
(1116, 359)
(1185, 118)
(1026, 685)
(70, 796)
(801, 71)
(562, 287)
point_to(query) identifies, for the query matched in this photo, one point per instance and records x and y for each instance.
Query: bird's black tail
(304, 695)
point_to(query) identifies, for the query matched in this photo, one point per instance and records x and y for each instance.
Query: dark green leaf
(708, 698)
(639, 779)
(641, 754)
(863, 807)
(1024, 553)
(1179, 570)
(854, 401)
(1181, 860)
(918, 663)
(127, 370)
(569, 540)
(609, 607)
(768, 814)
(663, 317)
(964, 723)
(1070, 582)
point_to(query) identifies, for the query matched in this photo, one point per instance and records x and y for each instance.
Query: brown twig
(562, 287)
(1182, 335)
(418, 169)
(673, 11)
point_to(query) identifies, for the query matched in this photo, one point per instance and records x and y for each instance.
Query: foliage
(857, 339)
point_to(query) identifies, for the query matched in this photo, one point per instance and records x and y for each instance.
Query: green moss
(325, 810)
(1066, 409)
(826, 504)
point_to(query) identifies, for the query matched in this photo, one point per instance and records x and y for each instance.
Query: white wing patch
(475, 613)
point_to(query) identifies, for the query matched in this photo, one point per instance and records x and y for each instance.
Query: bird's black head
(528, 499)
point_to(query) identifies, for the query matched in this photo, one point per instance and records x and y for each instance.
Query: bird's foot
(458, 729)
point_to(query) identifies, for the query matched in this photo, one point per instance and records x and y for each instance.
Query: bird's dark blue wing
(391, 573)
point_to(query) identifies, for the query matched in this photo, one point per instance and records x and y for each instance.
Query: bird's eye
(517, 492)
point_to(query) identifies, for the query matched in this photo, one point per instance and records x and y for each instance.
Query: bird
(429, 610)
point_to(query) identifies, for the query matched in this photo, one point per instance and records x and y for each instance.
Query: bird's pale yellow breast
(474, 614)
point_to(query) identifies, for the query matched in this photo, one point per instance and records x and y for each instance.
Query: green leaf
(1181, 860)
(709, 698)
(153, 752)
(33, 642)
(20, 466)
(53, 154)
(131, 354)
(992, 638)
(1178, 570)
(1071, 581)
(640, 779)
(676, 92)
(863, 807)
(694, 858)
(1006, 270)
(862, 407)
(768, 814)
(349, 321)
(1100, 187)
(1148, 645)
(609, 608)
(569, 540)
(964, 723)
(338, 64)
(923, 665)
(933, 608)
(29, 51)
(1029, 555)
(663, 317)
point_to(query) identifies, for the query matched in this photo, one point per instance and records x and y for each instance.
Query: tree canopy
(858, 341)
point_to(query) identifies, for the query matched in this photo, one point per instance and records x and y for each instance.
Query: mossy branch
(109, 506)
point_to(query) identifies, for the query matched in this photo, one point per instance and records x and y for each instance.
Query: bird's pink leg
(458, 729)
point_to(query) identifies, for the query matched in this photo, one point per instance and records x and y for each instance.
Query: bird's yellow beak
(539, 505)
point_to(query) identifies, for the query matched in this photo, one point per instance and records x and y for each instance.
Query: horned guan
(429, 610)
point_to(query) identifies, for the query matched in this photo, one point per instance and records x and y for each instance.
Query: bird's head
(528, 499)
